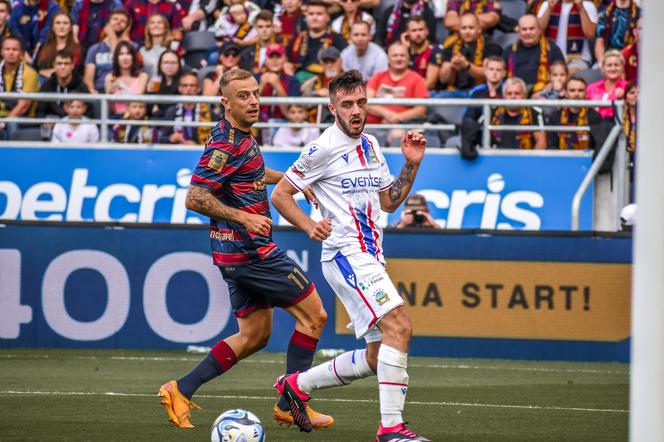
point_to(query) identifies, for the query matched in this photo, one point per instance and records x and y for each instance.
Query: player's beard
(354, 126)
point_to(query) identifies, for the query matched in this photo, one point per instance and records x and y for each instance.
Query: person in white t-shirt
(292, 136)
(70, 132)
(348, 174)
(363, 54)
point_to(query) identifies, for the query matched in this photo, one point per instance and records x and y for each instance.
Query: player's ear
(333, 111)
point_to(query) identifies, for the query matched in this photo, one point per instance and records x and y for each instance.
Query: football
(237, 426)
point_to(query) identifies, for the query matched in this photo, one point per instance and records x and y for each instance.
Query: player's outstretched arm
(283, 201)
(272, 176)
(413, 145)
(202, 201)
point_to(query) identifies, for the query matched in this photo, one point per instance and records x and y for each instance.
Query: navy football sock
(300, 356)
(220, 359)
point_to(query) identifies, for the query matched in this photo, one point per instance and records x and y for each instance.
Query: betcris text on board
(81, 198)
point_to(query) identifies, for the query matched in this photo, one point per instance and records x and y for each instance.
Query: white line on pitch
(276, 361)
(271, 398)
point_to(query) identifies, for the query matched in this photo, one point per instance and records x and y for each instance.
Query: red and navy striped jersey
(232, 168)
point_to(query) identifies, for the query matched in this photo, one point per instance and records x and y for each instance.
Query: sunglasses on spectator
(231, 53)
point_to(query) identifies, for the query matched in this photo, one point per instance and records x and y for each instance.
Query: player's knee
(315, 322)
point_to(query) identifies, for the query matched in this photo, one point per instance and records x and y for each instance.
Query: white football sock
(392, 384)
(341, 370)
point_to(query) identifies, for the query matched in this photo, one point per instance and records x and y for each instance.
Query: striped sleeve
(214, 167)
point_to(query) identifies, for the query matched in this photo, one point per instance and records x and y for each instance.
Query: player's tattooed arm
(202, 201)
(404, 180)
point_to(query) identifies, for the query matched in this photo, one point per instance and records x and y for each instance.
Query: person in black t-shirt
(515, 89)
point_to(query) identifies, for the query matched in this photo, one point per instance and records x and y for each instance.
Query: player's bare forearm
(391, 198)
(273, 176)
(283, 200)
(202, 201)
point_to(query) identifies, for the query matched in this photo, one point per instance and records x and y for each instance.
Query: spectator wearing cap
(304, 48)
(99, 58)
(275, 82)
(140, 10)
(330, 59)
(31, 20)
(253, 57)
(531, 56)
(228, 59)
(352, 14)
(571, 24)
(90, 17)
(188, 112)
(363, 54)
(616, 25)
(415, 214)
(398, 81)
(487, 11)
(393, 23)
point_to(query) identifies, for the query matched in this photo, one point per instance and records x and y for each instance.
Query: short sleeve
(30, 81)
(308, 168)
(213, 168)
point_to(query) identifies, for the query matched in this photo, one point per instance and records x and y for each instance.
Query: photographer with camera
(416, 214)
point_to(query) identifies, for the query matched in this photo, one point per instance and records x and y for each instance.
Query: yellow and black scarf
(542, 69)
(630, 129)
(574, 140)
(202, 114)
(301, 45)
(526, 140)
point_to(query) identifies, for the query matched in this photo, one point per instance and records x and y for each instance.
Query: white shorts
(365, 290)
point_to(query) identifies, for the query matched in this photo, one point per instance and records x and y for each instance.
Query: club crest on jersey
(381, 297)
(217, 160)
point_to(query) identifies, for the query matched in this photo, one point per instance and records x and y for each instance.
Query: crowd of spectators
(548, 49)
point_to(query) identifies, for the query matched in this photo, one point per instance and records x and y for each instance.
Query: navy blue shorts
(276, 281)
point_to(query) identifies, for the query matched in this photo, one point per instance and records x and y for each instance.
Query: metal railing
(105, 119)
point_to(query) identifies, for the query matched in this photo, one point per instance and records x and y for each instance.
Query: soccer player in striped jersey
(348, 173)
(229, 186)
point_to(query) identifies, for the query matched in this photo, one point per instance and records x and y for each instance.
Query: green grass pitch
(95, 395)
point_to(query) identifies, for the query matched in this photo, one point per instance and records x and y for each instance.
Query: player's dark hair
(264, 15)
(21, 48)
(63, 53)
(232, 75)
(348, 82)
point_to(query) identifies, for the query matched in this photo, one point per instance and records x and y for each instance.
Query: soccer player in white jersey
(350, 178)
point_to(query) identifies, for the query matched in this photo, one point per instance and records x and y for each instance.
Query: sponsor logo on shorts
(366, 284)
(381, 297)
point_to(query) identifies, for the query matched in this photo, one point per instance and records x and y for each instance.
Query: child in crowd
(295, 137)
(126, 133)
(558, 76)
(71, 132)
(235, 25)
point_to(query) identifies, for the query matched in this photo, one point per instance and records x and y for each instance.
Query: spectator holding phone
(416, 214)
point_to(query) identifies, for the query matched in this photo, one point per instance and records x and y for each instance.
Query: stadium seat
(590, 75)
(27, 134)
(198, 41)
(504, 40)
(203, 72)
(193, 58)
(513, 8)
